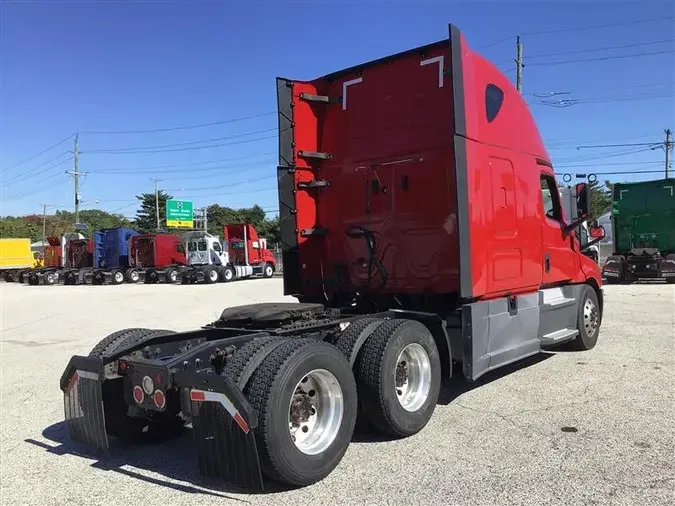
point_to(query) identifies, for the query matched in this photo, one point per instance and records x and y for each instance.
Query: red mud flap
(222, 426)
(83, 402)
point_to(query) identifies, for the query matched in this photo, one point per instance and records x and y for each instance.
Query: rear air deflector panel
(461, 166)
(286, 186)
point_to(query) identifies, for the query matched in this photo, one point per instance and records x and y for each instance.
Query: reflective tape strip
(205, 395)
(87, 375)
(80, 374)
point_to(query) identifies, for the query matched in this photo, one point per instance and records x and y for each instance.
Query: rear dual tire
(398, 373)
(305, 395)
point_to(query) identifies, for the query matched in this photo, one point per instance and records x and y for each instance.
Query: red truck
(155, 257)
(245, 247)
(421, 227)
(79, 261)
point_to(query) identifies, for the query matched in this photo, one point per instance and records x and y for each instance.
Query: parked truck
(643, 232)
(154, 258)
(16, 258)
(247, 249)
(414, 237)
(242, 254)
(55, 260)
(111, 255)
(79, 261)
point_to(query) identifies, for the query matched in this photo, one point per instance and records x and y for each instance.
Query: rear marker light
(148, 385)
(138, 394)
(160, 400)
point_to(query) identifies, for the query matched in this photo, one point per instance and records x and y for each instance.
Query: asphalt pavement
(562, 428)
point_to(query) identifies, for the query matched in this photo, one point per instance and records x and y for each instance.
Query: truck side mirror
(597, 231)
(582, 200)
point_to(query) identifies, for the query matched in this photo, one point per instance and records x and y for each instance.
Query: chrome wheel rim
(315, 411)
(228, 274)
(268, 270)
(412, 377)
(134, 276)
(590, 317)
(213, 275)
(119, 277)
(173, 276)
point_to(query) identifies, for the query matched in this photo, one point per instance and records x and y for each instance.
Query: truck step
(559, 336)
(316, 183)
(559, 302)
(315, 154)
(319, 98)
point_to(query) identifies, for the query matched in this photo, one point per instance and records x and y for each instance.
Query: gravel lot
(499, 442)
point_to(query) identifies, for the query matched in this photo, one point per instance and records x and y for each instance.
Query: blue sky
(92, 66)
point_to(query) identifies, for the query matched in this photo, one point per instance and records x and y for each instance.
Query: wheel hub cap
(590, 317)
(315, 412)
(412, 377)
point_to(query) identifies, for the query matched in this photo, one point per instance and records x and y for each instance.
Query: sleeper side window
(494, 98)
(550, 197)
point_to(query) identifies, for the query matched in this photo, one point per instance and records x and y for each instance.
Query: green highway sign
(179, 214)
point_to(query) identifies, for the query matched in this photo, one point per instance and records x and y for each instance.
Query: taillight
(159, 398)
(138, 394)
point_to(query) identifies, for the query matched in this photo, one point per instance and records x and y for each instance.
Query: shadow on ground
(176, 459)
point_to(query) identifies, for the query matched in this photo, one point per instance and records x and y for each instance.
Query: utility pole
(157, 200)
(519, 65)
(44, 224)
(668, 144)
(76, 177)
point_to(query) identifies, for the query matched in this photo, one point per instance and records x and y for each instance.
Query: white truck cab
(205, 249)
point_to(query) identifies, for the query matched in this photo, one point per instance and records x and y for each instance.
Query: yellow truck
(16, 257)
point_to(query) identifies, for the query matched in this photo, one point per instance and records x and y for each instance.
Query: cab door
(558, 262)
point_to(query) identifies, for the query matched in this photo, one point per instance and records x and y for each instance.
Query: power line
(257, 190)
(610, 164)
(619, 145)
(576, 29)
(505, 39)
(30, 175)
(136, 170)
(615, 173)
(40, 153)
(600, 58)
(182, 127)
(34, 192)
(595, 27)
(161, 146)
(606, 48)
(220, 186)
(112, 152)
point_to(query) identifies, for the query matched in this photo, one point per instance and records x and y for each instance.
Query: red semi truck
(155, 257)
(247, 248)
(415, 236)
(79, 261)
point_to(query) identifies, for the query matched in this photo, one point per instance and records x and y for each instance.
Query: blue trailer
(111, 255)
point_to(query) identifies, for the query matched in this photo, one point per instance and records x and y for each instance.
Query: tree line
(145, 221)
